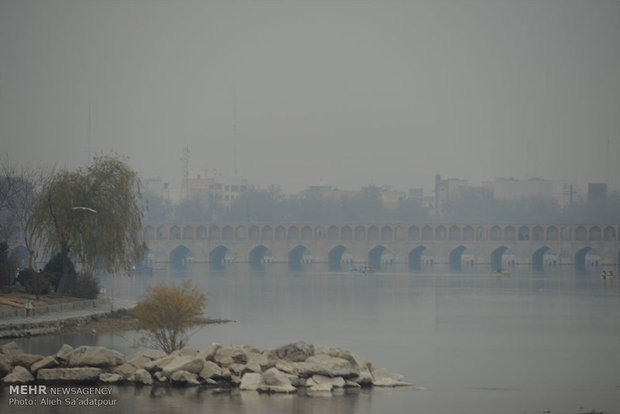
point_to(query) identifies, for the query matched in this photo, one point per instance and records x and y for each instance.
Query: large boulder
(69, 374)
(19, 375)
(142, 376)
(64, 352)
(209, 352)
(184, 377)
(26, 360)
(110, 378)
(336, 382)
(229, 355)
(383, 378)
(189, 363)
(10, 350)
(158, 364)
(95, 356)
(251, 381)
(296, 352)
(5, 365)
(47, 362)
(126, 370)
(323, 364)
(275, 380)
(210, 370)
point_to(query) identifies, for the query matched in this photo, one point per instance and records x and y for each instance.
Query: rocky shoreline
(282, 370)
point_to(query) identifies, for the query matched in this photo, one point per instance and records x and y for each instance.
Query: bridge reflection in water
(342, 245)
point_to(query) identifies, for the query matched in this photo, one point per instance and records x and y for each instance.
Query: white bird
(84, 208)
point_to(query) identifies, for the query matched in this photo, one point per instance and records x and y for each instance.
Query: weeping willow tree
(93, 214)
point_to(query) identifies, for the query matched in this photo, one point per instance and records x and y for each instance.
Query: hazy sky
(344, 92)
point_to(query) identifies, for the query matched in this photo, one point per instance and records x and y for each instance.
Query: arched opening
(201, 233)
(552, 233)
(175, 233)
(188, 233)
(609, 234)
(254, 233)
(20, 256)
(319, 233)
(299, 257)
(399, 233)
(461, 256)
(595, 233)
(161, 232)
(266, 233)
(587, 258)
(332, 233)
(440, 233)
(538, 233)
(220, 257)
(380, 257)
(293, 233)
(259, 257)
(545, 257)
(496, 233)
(524, 233)
(502, 257)
(420, 256)
(360, 233)
(280, 233)
(338, 258)
(240, 233)
(580, 233)
(413, 233)
(180, 257)
(346, 233)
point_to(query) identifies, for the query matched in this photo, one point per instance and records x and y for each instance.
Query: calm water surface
(476, 342)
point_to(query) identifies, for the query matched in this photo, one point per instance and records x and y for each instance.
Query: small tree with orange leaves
(167, 312)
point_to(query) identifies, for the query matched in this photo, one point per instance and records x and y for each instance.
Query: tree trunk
(64, 251)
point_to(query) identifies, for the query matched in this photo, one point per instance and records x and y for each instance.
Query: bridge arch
(201, 233)
(332, 232)
(399, 233)
(496, 233)
(180, 256)
(587, 257)
(338, 256)
(538, 233)
(419, 256)
(161, 232)
(214, 232)
(387, 233)
(524, 233)
(266, 233)
(373, 233)
(259, 256)
(360, 233)
(581, 234)
(413, 233)
(299, 256)
(427, 233)
(220, 256)
(538, 258)
(509, 233)
(440, 232)
(454, 233)
(380, 256)
(254, 233)
(609, 234)
(498, 260)
(468, 233)
(552, 233)
(241, 233)
(595, 233)
(455, 257)
(306, 233)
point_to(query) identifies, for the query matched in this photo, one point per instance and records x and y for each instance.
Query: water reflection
(477, 341)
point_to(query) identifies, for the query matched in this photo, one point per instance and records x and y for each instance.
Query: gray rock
(126, 370)
(26, 360)
(254, 366)
(159, 376)
(153, 354)
(159, 364)
(19, 375)
(323, 364)
(187, 363)
(383, 378)
(63, 353)
(5, 365)
(210, 370)
(95, 356)
(47, 362)
(184, 377)
(209, 353)
(110, 378)
(322, 387)
(336, 382)
(273, 376)
(139, 361)
(251, 381)
(297, 352)
(237, 369)
(10, 350)
(277, 388)
(142, 376)
(188, 351)
(69, 374)
(288, 367)
(229, 355)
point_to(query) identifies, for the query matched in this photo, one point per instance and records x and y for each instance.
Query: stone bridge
(342, 244)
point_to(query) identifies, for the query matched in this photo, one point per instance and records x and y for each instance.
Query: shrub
(85, 286)
(36, 283)
(168, 312)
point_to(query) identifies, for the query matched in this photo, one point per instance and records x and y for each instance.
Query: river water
(471, 341)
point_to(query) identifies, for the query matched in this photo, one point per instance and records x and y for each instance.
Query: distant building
(211, 186)
(510, 188)
(156, 186)
(445, 191)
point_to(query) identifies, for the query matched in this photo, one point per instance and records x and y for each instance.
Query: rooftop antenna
(235, 131)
